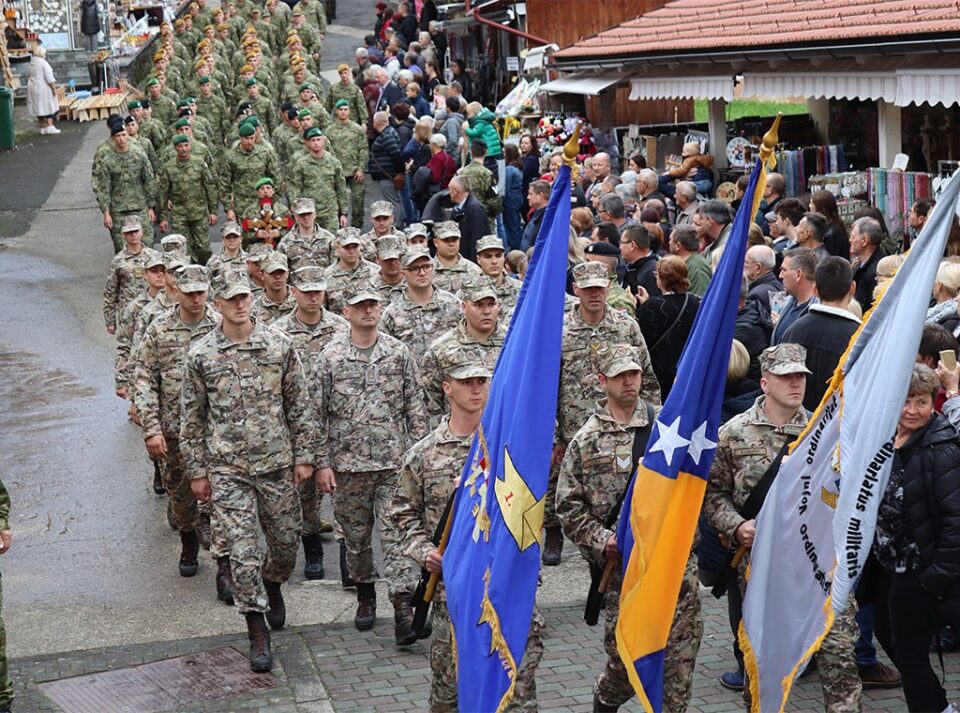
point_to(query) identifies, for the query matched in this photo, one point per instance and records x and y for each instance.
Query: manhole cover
(161, 686)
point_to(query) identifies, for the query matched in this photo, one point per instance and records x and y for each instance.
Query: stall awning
(587, 83)
(535, 57)
(928, 86)
(682, 88)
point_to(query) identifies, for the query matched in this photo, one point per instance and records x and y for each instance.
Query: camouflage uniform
(426, 483)
(267, 311)
(451, 278)
(124, 282)
(125, 328)
(389, 293)
(317, 251)
(595, 472)
(453, 347)
(188, 195)
(354, 97)
(158, 381)
(316, 15)
(746, 446)
(340, 280)
(321, 179)
(348, 142)
(481, 187)
(6, 686)
(246, 421)
(383, 392)
(214, 109)
(241, 171)
(508, 293)
(418, 325)
(220, 263)
(125, 184)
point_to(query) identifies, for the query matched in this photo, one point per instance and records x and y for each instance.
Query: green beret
(252, 120)
(135, 104)
(305, 85)
(264, 182)
(341, 103)
(312, 132)
(252, 81)
(152, 81)
(180, 123)
(180, 139)
(246, 130)
(303, 113)
(182, 103)
(204, 80)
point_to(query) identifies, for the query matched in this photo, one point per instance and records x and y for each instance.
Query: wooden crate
(99, 107)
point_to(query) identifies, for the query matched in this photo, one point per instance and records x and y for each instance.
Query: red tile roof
(696, 25)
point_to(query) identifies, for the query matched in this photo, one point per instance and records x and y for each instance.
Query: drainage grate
(161, 686)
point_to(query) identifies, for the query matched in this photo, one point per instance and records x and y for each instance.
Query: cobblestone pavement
(333, 667)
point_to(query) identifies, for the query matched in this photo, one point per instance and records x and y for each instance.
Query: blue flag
(492, 560)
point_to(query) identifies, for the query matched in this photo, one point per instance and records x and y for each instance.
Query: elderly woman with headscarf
(42, 92)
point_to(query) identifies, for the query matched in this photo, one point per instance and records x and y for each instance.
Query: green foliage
(739, 108)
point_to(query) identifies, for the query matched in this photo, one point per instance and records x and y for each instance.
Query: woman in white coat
(42, 92)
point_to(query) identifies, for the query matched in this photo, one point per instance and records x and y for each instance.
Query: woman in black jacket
(917, 542)
(90, 23)
(666, 319)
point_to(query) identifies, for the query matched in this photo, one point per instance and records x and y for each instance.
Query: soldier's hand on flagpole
(434, 562)
(610, 550)
(326, 480)
(746, 532)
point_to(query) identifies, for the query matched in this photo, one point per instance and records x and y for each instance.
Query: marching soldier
(125, 280)
(188, 198)
(390, 281)
(348, 269)
(246, 435)
(348, 141)
(306, 244)
(490, 260)
(347, 90)
(746, 446)
(319, 176)
(125, 185)
(244, 165)
(232, 256)
(596, 470)
(276, 299)
(382, 220)
(366, 377)
(265, 219)
(422, 312)
(452, 267)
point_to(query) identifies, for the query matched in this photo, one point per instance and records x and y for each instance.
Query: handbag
(399, 181)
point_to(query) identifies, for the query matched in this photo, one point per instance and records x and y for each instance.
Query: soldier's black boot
(189, 548)
(203, 530)
(601, 707)
(277, 612)
(366, 607)
(345, 579)
(403, 620)
(313, 557)
(552, 545)
(224, 581)
(261, 660)
(157, 480)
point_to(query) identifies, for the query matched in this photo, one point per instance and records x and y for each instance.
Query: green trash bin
(6, 118)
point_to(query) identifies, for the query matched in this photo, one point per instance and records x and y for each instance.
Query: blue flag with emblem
(662, 504)
(492, 561)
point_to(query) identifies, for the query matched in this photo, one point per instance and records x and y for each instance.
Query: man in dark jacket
(538, 195)
(470, 216)
(758, 267)
(390, 91)
(407, 26)
(641, 261)
(386, 162)
(865, 253)
(826, 329)
(752, 329)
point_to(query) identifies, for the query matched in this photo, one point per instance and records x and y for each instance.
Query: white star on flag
(669, 440)
(700, 443)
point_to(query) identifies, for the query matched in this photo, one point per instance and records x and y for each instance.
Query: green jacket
(481, 127)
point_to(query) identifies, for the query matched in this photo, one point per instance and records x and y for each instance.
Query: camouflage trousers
(358, 192)
(182, 511)
(310, 499)
(836, 663)
(197, 233)
(361, 498)
(613, 687)
(329, 220)
(443, 684)
(550, 518)
(116, 233)
(244, 504)
(6, 686)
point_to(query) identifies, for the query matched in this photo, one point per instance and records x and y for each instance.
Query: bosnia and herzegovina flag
(492, 560)
(662, 504)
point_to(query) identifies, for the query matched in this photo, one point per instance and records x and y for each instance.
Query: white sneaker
(44, 131)
(53, 130)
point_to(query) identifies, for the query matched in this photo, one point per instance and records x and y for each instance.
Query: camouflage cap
(591, 274)
(193, 278)
(446, 229)
(301, 206)
(258, 251)
(131, 223)
(468, 370)
(489, 242)
(310, 279)
(231, 227)
(175, 260)
(784, 359)
(361, 291)
(275, 262)
(414, 253)
(348, 236)
(389, 247)
(380, 209)
(174, 241)
(232, 283)
(618, 358)
(478, 288)
(297, 11)
(416, 229)
(154, 259)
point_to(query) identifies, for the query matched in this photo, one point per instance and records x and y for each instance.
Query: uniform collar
(638, 420)
(757, 417)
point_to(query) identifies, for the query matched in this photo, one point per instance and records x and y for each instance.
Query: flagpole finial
(770, 139)
(571, 149)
